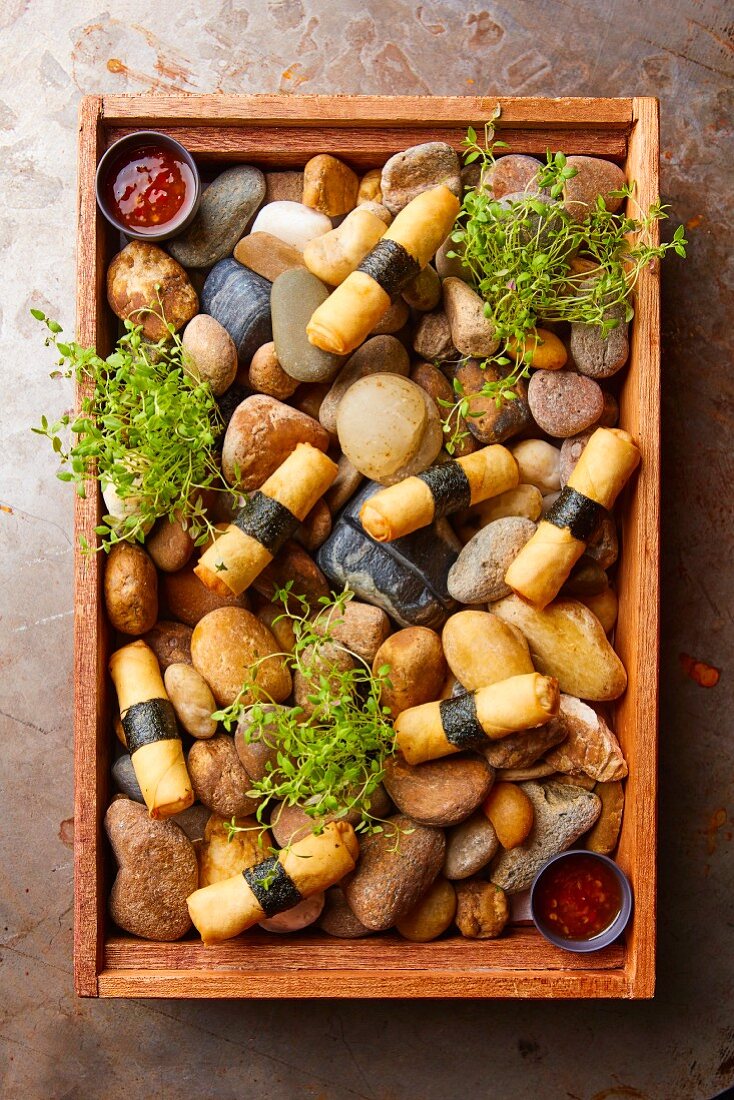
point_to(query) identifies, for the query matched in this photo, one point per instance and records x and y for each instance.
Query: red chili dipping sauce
(148, 187)
(578, 897)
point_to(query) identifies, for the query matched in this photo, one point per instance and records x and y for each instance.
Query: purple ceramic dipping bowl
(128, 144)
(610, 934)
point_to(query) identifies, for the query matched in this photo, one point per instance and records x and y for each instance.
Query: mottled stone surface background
(682, 1045)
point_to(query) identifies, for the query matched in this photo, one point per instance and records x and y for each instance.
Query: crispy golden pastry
(151, 733)
(231, 906)
(544, 563)
(268, 520)
(467, 721)
(347, 317)
(440, 490)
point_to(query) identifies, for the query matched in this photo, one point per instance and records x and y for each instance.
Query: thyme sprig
(519, 255)
(146, 430)
(329, 761)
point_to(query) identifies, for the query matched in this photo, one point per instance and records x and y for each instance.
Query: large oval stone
(295, 296)
(394, 871)
(407, 578)
(441, 792)
(240, 300)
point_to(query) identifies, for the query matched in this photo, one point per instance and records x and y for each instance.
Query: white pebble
(539, 463)
(291, 222)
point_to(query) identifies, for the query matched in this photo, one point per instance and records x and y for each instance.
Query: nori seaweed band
(274, 889)
(449, 487)
(267, 521)
(152, 720)
(579, 513)
(460, 723)
(391, 266)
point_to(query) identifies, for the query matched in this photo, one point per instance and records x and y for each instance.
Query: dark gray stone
(407, 578)
(123, 776)
(226, 207)
(240, 300)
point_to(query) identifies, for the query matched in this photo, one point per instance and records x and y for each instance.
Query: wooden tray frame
(273, 130)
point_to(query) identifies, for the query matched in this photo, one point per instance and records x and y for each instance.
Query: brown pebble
(267, 255)
(267, 376)
(564, 403)
(482, 910)
(189, 600)
(171, 643)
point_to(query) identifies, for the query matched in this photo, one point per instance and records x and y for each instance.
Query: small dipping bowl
(175, 185)
(558, 872)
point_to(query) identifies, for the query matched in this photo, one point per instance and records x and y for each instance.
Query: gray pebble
(295, 296)
(123, 776)
(600, 356)
(478, 574)
(226, 207)
(469, 847)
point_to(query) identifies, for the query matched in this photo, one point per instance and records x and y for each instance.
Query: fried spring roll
(267, 521)
(544, 563)
(227, 908)
(348, 315)
(438, 491)
(151, 732)
(468, 721)
(338, 253)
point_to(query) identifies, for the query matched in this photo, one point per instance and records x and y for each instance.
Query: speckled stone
(564, 403)
(470, 846)
(390, 878)
(491, 423)
(418, 169)
(562, 814)
(478, 574)
(240, 300)
(226, 207)
(600, 356)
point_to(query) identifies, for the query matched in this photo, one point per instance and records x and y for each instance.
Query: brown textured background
(681, 1047)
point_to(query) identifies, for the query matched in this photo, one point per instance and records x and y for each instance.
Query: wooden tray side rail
(285, 131)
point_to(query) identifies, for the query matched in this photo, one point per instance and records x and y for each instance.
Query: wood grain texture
(365, 111)
(637, 637)
(314, 951)
(90, 633)
(291, 146)
(286, 130)
(380, 985)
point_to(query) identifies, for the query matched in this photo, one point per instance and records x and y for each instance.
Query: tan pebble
(192, 699)
(482, 650)
(267, 255)
(511, 813)
(417, 668)
(431, 916)
(482, 909)
(224, 646)
(130, 589)
(604, 835)
(539, 464)
(267, 376)
(329, 185)
(369, 187)
(542, 348)
(210, 354)
(218, 778)
(605, 606)
(567, 641)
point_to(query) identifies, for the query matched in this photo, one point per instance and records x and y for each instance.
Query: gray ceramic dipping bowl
(126, 146)
(610, 934)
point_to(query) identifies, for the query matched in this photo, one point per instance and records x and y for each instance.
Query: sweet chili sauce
(148, 187)
(578, 897)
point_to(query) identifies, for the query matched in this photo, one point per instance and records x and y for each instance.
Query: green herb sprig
(146, 430)
(519, 253)
(331, 761)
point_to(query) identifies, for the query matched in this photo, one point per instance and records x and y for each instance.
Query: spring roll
(338, 253)
(268, 520)
(468, 721)
(151, 733)
(348, 315)
(227, 908)
(544, 563)
(440, 490)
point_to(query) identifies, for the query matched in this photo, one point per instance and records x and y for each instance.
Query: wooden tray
(285, 131)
